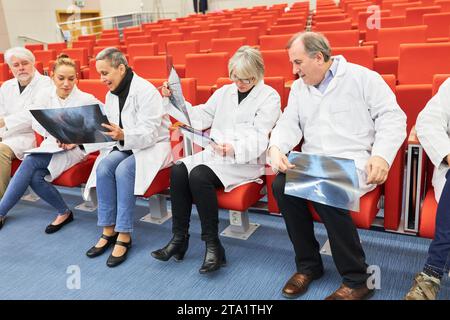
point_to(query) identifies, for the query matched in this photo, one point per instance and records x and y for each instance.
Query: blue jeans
(31, 173)
(115, 191)
(439, 251)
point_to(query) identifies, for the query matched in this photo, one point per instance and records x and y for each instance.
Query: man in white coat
(16, 95)
(433, 131)
(338, 109)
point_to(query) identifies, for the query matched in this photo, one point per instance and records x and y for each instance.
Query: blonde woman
(241, 116)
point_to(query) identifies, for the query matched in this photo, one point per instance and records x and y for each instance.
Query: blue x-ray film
(328, 180)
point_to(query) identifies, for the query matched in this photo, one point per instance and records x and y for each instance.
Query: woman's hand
(66, 146)
(115, 131)
(223, 149)
(165, 90)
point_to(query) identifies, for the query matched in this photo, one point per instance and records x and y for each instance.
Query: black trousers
(346, 248)
(203, 4)
(198, 187)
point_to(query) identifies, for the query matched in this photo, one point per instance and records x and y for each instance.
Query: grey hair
(114, 56)
(313, 42)
(247, 63)
(20, 53)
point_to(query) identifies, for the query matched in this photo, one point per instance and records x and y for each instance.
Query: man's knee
(6, 152)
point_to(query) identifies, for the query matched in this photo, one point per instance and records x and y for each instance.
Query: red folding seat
(152, 66)
(2, 58)
(262, 25)
(229, 45)
(206, 68)
(94, 87)
(414, 87)
(34, 46)
(162, 40)
(274, 42)
(277, 64)
(295, 20)
(87, 37)
(363, 56)
(178, 51)
(141, 50)
(345, 38)
(289, 29)
(204, 37)
(333, 26)
(330, 17)
(399, 9)
(438, 26)
(223, 28)
(252, 34)
(88, 44)
(109, 42)
(138, 39)
(414, 16)
(57, 46)
(45, 56)
(80, 54)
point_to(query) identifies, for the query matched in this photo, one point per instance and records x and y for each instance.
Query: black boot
(214, 257)
(176, 247)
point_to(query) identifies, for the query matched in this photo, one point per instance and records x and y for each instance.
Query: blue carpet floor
(34, 265)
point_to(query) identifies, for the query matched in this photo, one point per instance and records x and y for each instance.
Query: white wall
(4, 37)
(36, 18)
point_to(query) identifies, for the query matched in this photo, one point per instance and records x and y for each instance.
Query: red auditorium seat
(206, 68)
(229, 45)
(45, 56)
(414, 88)
(333, 26)
(274, 42)
(33, 47)
(178, 51)
(141, 50)
(57, 46)
(88, 44)
(109, 42)
(289, 29)
(345, 38)
(94, 87)
(162, 40)
(80, 54)
(252, 34)
(363, 56)
(152, 67)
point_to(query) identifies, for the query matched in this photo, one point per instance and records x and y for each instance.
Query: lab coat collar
(340, 72)
(74, 92)
(36, 77)
(253, 94)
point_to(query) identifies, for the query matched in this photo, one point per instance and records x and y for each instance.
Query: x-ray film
(176, 98)
(327, 180)
(76, 125)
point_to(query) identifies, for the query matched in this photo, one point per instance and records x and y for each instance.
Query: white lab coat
(246, 126)
(357, 117)
(17, 133)
(433, 132)
(48, 98)
(146, 129)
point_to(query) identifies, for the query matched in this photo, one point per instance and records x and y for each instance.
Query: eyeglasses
(244, 81)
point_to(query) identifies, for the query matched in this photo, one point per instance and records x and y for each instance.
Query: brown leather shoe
(346, 293)
(298, 284)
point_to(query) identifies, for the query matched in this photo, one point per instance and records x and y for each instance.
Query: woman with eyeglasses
(240, 116)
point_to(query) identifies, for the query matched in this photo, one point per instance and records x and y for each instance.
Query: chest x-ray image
(328, 180)
(76, 125)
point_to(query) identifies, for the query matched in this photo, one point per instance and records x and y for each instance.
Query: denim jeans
(115, 191)
(31, 173)
(439, 251)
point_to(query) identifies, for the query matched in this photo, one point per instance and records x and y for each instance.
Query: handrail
(25, 38)
(115, 16)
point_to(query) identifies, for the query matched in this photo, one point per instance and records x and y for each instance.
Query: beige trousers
(6, 158)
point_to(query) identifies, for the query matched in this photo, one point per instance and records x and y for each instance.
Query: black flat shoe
(51, 228)
(115, 261)
(96, 251)
(2, 222)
